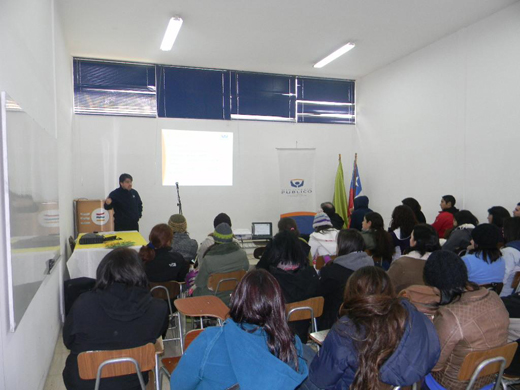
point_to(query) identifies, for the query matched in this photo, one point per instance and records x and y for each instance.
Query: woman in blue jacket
(255, 348)
(378, 338)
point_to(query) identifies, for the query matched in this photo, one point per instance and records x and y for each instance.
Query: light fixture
(171, 33)
(331, 57)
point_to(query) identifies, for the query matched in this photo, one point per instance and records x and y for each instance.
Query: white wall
(35, 71)
(105, 147)
(445, 120)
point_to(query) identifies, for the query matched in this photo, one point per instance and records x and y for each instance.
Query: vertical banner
(297, 195)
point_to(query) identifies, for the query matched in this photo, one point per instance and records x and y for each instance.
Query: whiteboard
(30, 203)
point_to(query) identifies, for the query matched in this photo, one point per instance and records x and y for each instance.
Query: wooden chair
(310, 309)
(225, 281)
(205, 306)
(168, 291)
(489, 362)
(496, 287)
(107, 364)
(169, 364)
(320, 261)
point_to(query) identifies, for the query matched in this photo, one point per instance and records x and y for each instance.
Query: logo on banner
(297, 183)
(99, 216)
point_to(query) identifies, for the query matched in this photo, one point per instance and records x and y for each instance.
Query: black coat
(360, 209)
(128, 209)
(118, 317)
(166, 266)
(265, 263)
(333, 279)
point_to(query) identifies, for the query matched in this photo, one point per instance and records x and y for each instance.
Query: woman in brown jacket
(469, 319)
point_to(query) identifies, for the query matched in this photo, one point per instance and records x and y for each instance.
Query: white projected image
(197, 158)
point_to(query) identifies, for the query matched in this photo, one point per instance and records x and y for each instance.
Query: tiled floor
(55, 381)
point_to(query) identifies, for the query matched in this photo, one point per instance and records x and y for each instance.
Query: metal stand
(178, 198)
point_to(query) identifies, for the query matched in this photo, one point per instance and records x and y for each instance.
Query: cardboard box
(90, 216)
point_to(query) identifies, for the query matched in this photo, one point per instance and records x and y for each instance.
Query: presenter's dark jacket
(128, 209)
(166, 266)
(118, 317)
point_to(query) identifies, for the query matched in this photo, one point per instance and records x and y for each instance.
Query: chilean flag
(355, 188)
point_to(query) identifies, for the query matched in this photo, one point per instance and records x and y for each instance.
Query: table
(86, 258)
(319, 337)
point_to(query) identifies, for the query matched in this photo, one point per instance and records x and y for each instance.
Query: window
(112, 88)
(193, 93)
(325, 101)
(261, 96)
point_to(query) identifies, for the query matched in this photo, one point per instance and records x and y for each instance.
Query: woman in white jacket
(323, 240)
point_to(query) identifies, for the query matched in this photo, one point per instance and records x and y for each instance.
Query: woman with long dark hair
(119, 313)
(408, 269)
(255, 348)
(378, 338)
(377, 240)
(401, 226)
(160, 263)
(416, 207)
(468, 319)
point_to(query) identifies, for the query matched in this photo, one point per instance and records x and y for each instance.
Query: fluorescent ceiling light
(171, 33)
(331, 57)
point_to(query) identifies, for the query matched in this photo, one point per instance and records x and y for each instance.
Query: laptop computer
(262, 230)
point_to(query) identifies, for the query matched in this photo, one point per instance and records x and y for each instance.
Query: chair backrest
(205, 306)
(226, 281)
(516, 280)
(473, 359)
(496, 287)
(320, 261)
(173, 287)
(89, 362)
(190, 336)
(316, 304)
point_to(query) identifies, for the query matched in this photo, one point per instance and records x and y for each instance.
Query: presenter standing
(127, 205)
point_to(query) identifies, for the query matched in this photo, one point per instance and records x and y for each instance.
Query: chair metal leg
(120, 360)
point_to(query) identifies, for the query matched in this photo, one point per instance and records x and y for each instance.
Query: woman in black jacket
(119, 313)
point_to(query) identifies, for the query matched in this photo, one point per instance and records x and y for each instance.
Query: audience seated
(323, 240)
(408, 269)
(285, 225)
(334, 276)
(224, 256)
(469, 319)
(118, 313)
(254, 349)
(182, 243)
(329, 209)
(377, 240)
(512, 303)
(401, 226)
(160, 263)
(496, 216)
(209, 241)
(444, 220)
(485, 264)
(416, 207)
(459, 238)
(511, 253)
(298, 280)
(360, 209)
(516, 211)
(378, 338)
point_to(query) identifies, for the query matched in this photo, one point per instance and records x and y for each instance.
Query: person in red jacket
(444, 220)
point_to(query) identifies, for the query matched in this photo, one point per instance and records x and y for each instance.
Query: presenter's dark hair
(464, 217)
(426, 239)
(371, 304)
(350, 240)
(511, 229)
(221, 218)
(258, 300)
(125, 176)
(449, 199)
(122, 265)
(404, 218)
(288, 224)
(498, 213)
(160, 237)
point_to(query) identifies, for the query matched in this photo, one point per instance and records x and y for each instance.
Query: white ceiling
(276, 36)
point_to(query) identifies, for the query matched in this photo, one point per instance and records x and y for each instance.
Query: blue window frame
(193, 93)
(113, 88)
